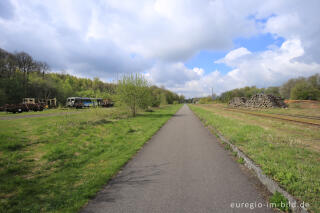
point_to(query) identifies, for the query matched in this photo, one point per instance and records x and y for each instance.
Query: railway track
(285, 117)
(298, 116)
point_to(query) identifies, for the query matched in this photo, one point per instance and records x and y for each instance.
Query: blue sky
(259, 42)
(174, 43)
(206, 58)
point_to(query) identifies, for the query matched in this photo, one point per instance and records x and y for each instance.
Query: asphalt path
(183, 168)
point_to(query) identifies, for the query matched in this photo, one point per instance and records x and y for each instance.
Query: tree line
(21, 76)
(294, 89)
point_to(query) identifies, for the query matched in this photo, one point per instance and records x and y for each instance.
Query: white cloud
(297, 20)
(107, 37)
(198, 70)
(234, 56)
(173, 75)
(160, 30)
(273, 67)
(270, 67)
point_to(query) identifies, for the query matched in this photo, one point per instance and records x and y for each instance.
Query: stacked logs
(265, 101)
(258, 101)
(238, 102)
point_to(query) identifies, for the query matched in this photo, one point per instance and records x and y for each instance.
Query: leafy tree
(242, 92)
(272, 91)
(3, 97)
(315, 81)
(133, 92)
(304, 91)
(206, 100)
(181, 99)
(163, 99)
(155, 96)
(285, 89)
(21, 76)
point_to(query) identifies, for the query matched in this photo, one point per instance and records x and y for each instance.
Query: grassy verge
(45, 111)
(55, 164)
(283, 150)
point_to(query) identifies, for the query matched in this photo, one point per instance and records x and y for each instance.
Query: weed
(277, 200)
(240, 160)
(131, 130)
(227, 147)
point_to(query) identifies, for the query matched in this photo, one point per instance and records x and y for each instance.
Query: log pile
(238, 102)
(258, 101)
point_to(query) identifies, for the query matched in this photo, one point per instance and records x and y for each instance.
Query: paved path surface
(181, 169)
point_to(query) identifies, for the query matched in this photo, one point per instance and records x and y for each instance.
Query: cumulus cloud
(107, 37)
(233, 57)
(61, 34)
(159, 30)
(172, 75)
(270, 67)
(297, 20)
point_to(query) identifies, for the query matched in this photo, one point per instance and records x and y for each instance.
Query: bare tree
(26, 64)
(42, 67)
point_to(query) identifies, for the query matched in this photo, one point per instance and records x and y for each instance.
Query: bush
(133, 92)
(304, 91)
(206, 100)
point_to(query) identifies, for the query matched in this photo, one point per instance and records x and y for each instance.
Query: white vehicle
(80, 102)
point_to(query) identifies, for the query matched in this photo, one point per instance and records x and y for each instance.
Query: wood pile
(258, 101)
(238, 102)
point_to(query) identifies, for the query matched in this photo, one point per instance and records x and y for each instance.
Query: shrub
(133, 92)
(304, 91)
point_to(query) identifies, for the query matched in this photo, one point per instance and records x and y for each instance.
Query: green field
(57, 163)
(45, 111)
(288, 152)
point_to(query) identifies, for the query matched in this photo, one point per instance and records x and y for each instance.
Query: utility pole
(212, 93)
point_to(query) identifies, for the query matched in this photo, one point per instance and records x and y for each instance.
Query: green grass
(45, 111)
(294, 166)
(240, 160)
(280, 202)
(235, 154)
(56, 164)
